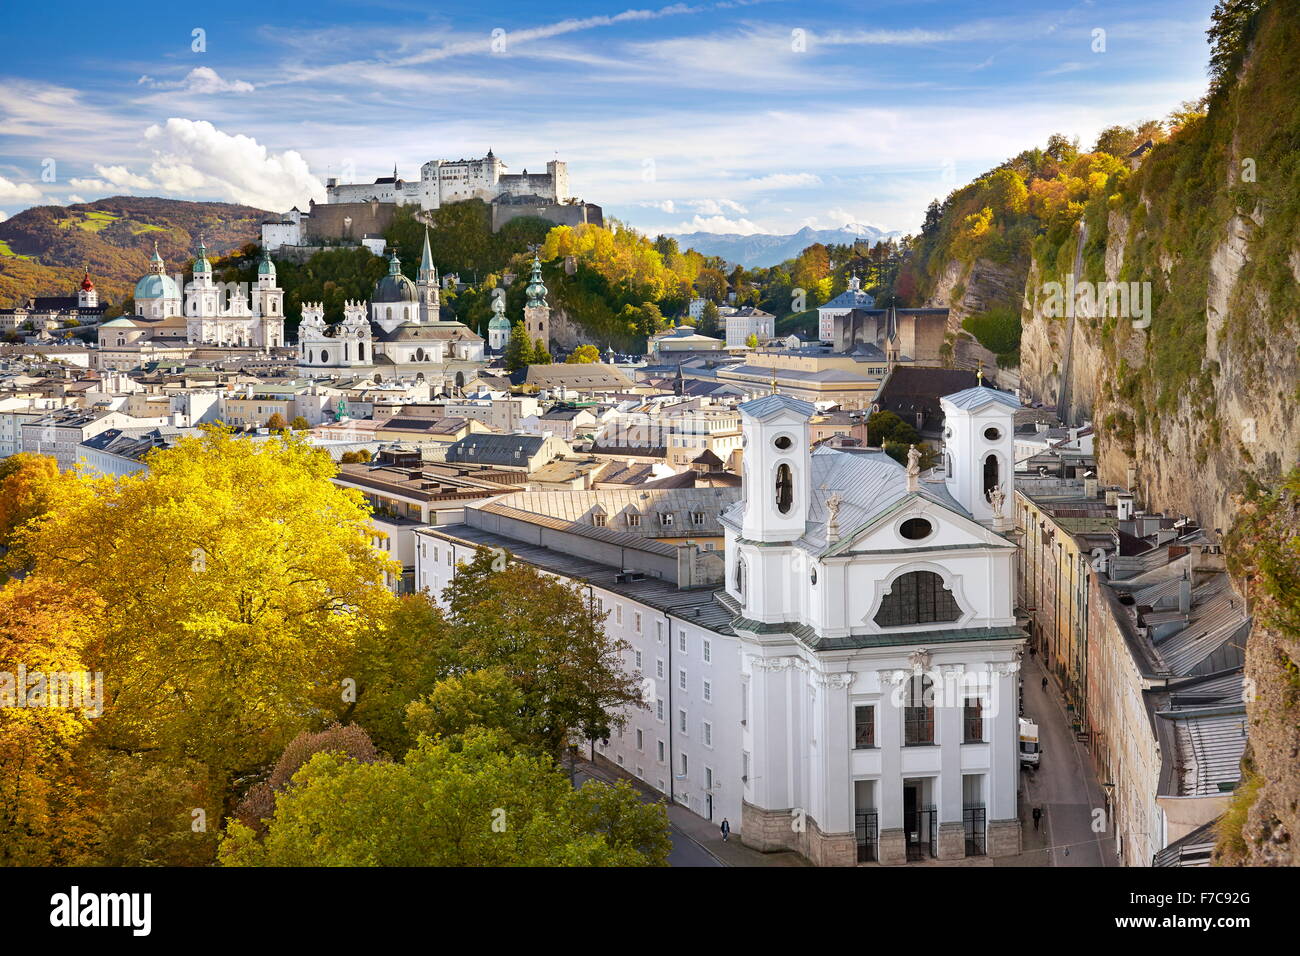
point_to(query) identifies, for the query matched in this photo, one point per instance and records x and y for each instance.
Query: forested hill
(45, 249)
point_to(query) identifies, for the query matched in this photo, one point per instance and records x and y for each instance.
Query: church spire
(427, 268)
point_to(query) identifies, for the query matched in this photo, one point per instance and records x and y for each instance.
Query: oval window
(783, 443)
(915, 529)
(992, 433)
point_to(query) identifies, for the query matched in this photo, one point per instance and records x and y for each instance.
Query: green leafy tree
(519, 350)
(550, 639)
(584, 355)
(709, 323)
(472, 805)
(300, 424)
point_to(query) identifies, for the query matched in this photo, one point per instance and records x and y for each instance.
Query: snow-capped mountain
(766, 249)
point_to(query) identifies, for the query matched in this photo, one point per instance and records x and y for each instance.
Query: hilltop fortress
(445, 181)
(361, 212)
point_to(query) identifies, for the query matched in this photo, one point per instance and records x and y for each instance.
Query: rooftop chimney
(1185, 594)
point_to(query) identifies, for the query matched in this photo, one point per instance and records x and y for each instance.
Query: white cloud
(11, 190)
(714, 207)
(663, 205)
(74, 198)
(201, 79)
(193, 157)
(122, 177)
(720, 224)
(785, 180)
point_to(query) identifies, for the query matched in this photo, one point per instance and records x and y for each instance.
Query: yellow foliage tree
(234, 578)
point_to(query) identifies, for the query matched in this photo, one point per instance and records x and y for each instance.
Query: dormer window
(697, 518)
(598, 521)
(633, 520)
(666, 519)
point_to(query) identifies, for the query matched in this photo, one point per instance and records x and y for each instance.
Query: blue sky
(734, 116)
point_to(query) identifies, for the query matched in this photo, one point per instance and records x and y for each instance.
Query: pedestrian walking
(726, 829)
(1044, 683)
(1038, 815)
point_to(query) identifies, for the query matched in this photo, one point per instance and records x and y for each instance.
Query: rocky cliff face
(1200, 403)
(1203, 399)
(971, 289)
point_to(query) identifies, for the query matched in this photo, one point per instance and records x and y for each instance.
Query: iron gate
(920, 827)
(973, 818)
(868, 833)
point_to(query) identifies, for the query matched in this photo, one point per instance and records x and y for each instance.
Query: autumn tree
(300, 424)
(234, 578)
(26, 483)
(276, 422)
(584, 355)
(46, 629)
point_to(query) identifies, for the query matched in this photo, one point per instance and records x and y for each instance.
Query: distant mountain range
(45, 249)
(763, 249)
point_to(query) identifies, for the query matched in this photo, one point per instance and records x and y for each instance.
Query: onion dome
(536, 288)
(394, 287)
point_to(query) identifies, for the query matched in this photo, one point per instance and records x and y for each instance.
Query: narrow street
(1064, 787)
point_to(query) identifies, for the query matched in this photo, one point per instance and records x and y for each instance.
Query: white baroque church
(400, 335)
(218, 314)
(849, 689)
(879, 655)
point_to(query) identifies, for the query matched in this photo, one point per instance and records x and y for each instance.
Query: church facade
(880, 653)
(847, 686)
(399, 335)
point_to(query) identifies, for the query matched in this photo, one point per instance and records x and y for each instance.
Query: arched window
(390, 312)
(784, 489)
(361, 350)
(991, 477)
(917, 597)
(918, 713)
(740, 575)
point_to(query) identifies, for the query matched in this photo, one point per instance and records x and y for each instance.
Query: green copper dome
(536, 288)
(499, 320)
(156, 286)
(394, 287)
(201, 259)
(266, 267)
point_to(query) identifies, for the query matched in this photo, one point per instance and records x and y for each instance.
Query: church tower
(268, 304)
(979, 449)
(537, 314)
(427, 284)
(87, 297)
(201, 293)
(777, 467)
(499, 326)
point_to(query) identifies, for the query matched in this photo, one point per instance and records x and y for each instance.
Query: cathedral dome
(155, 286)
(394, 287)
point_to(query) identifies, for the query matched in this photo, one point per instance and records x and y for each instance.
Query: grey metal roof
(1194, 849)
(578, 507)
(981, 395)
(770, 405)
(868, 481)
(695, 604)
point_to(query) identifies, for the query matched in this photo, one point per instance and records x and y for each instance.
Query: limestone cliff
(1202, 399)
